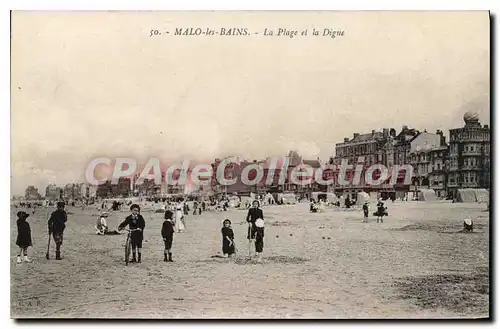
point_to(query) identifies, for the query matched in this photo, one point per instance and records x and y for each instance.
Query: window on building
(466, 148)
(438, 166)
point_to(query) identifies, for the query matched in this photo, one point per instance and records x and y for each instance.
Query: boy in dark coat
(23, 236)
(227, 238)
(56, 225)
(135, 222)
(167, 232)
(195, 207)
(380, 211)
(365, 212)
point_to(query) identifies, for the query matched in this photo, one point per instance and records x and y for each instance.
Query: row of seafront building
(73, 191)
(464, 162)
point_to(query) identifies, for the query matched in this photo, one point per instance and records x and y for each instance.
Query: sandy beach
(323, 265)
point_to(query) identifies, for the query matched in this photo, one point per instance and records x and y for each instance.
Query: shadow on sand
(462, 293)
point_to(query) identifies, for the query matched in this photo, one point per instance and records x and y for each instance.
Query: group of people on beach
(136, 224)
(56, 226)
(318, 206)
(255, 235)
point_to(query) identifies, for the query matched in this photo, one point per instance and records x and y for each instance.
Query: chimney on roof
(346, 139)
(405, 127)
(486, 126)
(355, 135)
(373, 132)
(385, 132)
(442, 138)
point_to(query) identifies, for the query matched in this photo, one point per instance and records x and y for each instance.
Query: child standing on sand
(227, 238)
(136, 224)
(167, 232)
(259, 238)
(23, 236)
(365, 212)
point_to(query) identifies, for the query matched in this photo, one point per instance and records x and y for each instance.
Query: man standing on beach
(57, 224)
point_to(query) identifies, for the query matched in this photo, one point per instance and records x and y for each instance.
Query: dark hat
(60, 204)
(169, 214)
(226, 221)
(22, 215)
(135, 206)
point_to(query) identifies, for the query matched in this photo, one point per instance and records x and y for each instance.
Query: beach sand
(323, 265)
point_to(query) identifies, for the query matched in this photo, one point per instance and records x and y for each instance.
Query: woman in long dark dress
(23, 236)
(381, 211)
(227, 238)
(255, 233)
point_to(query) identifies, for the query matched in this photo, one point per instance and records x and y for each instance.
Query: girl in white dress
(179, 218)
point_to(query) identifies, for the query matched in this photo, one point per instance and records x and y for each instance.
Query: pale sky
(92, 84)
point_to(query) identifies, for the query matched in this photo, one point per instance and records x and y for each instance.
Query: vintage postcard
(229, 165)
